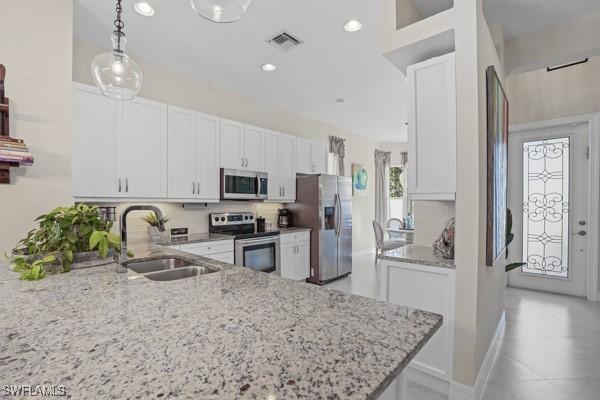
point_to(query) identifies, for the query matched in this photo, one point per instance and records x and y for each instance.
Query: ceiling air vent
(285, 41)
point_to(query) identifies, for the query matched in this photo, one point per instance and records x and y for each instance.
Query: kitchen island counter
(231, 334)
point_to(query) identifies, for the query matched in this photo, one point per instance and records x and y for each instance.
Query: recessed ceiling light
(268, 67)
(353, 26)
(339, 100)
(144, 9)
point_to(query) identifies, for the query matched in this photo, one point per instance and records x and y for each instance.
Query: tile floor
(550, 351)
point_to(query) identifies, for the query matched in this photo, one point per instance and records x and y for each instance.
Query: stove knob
(251, 217)
(222, 219)
(246, 218)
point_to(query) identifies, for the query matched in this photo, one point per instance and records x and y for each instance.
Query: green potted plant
(509, 238)
(152, 221)
(64, 236)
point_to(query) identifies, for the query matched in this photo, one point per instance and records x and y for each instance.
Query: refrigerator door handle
(340, 215)
(337, 212)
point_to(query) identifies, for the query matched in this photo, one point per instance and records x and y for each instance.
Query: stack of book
(14, 151)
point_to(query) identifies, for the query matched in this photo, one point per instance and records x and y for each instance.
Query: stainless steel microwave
(243, 185)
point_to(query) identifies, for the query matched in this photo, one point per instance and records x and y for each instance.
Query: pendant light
(115, 73)
(221, 10)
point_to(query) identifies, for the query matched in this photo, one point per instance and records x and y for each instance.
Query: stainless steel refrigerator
(324, 204)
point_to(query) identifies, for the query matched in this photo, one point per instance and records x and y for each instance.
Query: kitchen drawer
(224, 257)
(294, 237)
(206, 248)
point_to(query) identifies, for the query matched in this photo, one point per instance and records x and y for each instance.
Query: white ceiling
(519, 17)
(331, 64)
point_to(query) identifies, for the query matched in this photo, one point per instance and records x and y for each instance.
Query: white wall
(558, 44)
(35, 47)
(540, 95)
(173, 88)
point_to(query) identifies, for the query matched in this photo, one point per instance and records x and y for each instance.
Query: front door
(548, 195)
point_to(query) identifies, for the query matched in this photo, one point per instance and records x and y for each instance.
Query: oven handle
(272, 239)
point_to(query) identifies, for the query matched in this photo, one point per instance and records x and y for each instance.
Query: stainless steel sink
(178, 273)
(168, 269)
(143, 267)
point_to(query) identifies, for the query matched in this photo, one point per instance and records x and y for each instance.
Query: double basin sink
(168, 269)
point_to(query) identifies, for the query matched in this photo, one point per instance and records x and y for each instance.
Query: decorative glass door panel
(546, 207)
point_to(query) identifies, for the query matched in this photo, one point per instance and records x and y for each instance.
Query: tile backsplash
(195, 218)
(430, 219)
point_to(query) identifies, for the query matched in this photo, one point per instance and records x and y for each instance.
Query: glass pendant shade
(115, 73)
(221, 10)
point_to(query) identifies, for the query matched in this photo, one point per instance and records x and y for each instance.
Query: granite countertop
(232, 334)
(416, 254)
(168, 240)
(292, 229)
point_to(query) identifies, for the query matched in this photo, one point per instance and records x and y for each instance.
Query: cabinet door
(95, 124)
(272, 165)
(181, 154)
(302, 264)
(288, 261)
(144, 159)
(253, 148)
(432, 141)
(318, 155)
(287, 167)
(303, 161)
(232, 141)
(207, 157)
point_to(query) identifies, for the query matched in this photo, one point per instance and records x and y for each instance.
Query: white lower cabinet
(430, 289)
(221, 250)
(295, 255)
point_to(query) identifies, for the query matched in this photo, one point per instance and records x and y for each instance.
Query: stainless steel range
(256, 250)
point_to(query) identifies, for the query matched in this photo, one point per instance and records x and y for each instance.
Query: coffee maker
(285, 218)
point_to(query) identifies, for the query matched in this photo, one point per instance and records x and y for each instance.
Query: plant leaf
(95, 239)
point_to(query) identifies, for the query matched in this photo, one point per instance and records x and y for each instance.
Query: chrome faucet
(161, 227)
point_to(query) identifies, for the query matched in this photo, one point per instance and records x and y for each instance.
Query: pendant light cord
(119, 24)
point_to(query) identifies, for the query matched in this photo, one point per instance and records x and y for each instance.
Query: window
(396, 192)
(546, 207)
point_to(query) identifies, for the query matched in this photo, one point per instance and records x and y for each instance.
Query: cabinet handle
(246, 162)
(242, 161)
(193, 188)
(126, 185)
(119, 185)
(197, 187)
(283, 191)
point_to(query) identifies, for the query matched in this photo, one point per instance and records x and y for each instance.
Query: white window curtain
(382, 186)
(337, 152)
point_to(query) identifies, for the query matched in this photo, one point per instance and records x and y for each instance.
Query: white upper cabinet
(241, 146)
(120, 147)
(432, 129)
(95, 143)
(288, 167)
(318, 158)
(279, 165)
(272, 159)
(232, 144)
(193, 161)
(207, 157)
(253, 148)
(311, 158)
(144, 161)
(182, 153)
(303, 162)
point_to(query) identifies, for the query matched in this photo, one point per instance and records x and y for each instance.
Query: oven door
(261, 254)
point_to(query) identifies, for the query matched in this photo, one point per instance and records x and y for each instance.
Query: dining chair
(381, 243)
(397, 224)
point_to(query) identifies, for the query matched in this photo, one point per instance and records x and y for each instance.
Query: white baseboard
(458, 391)
(363, 253)
(428, 380)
